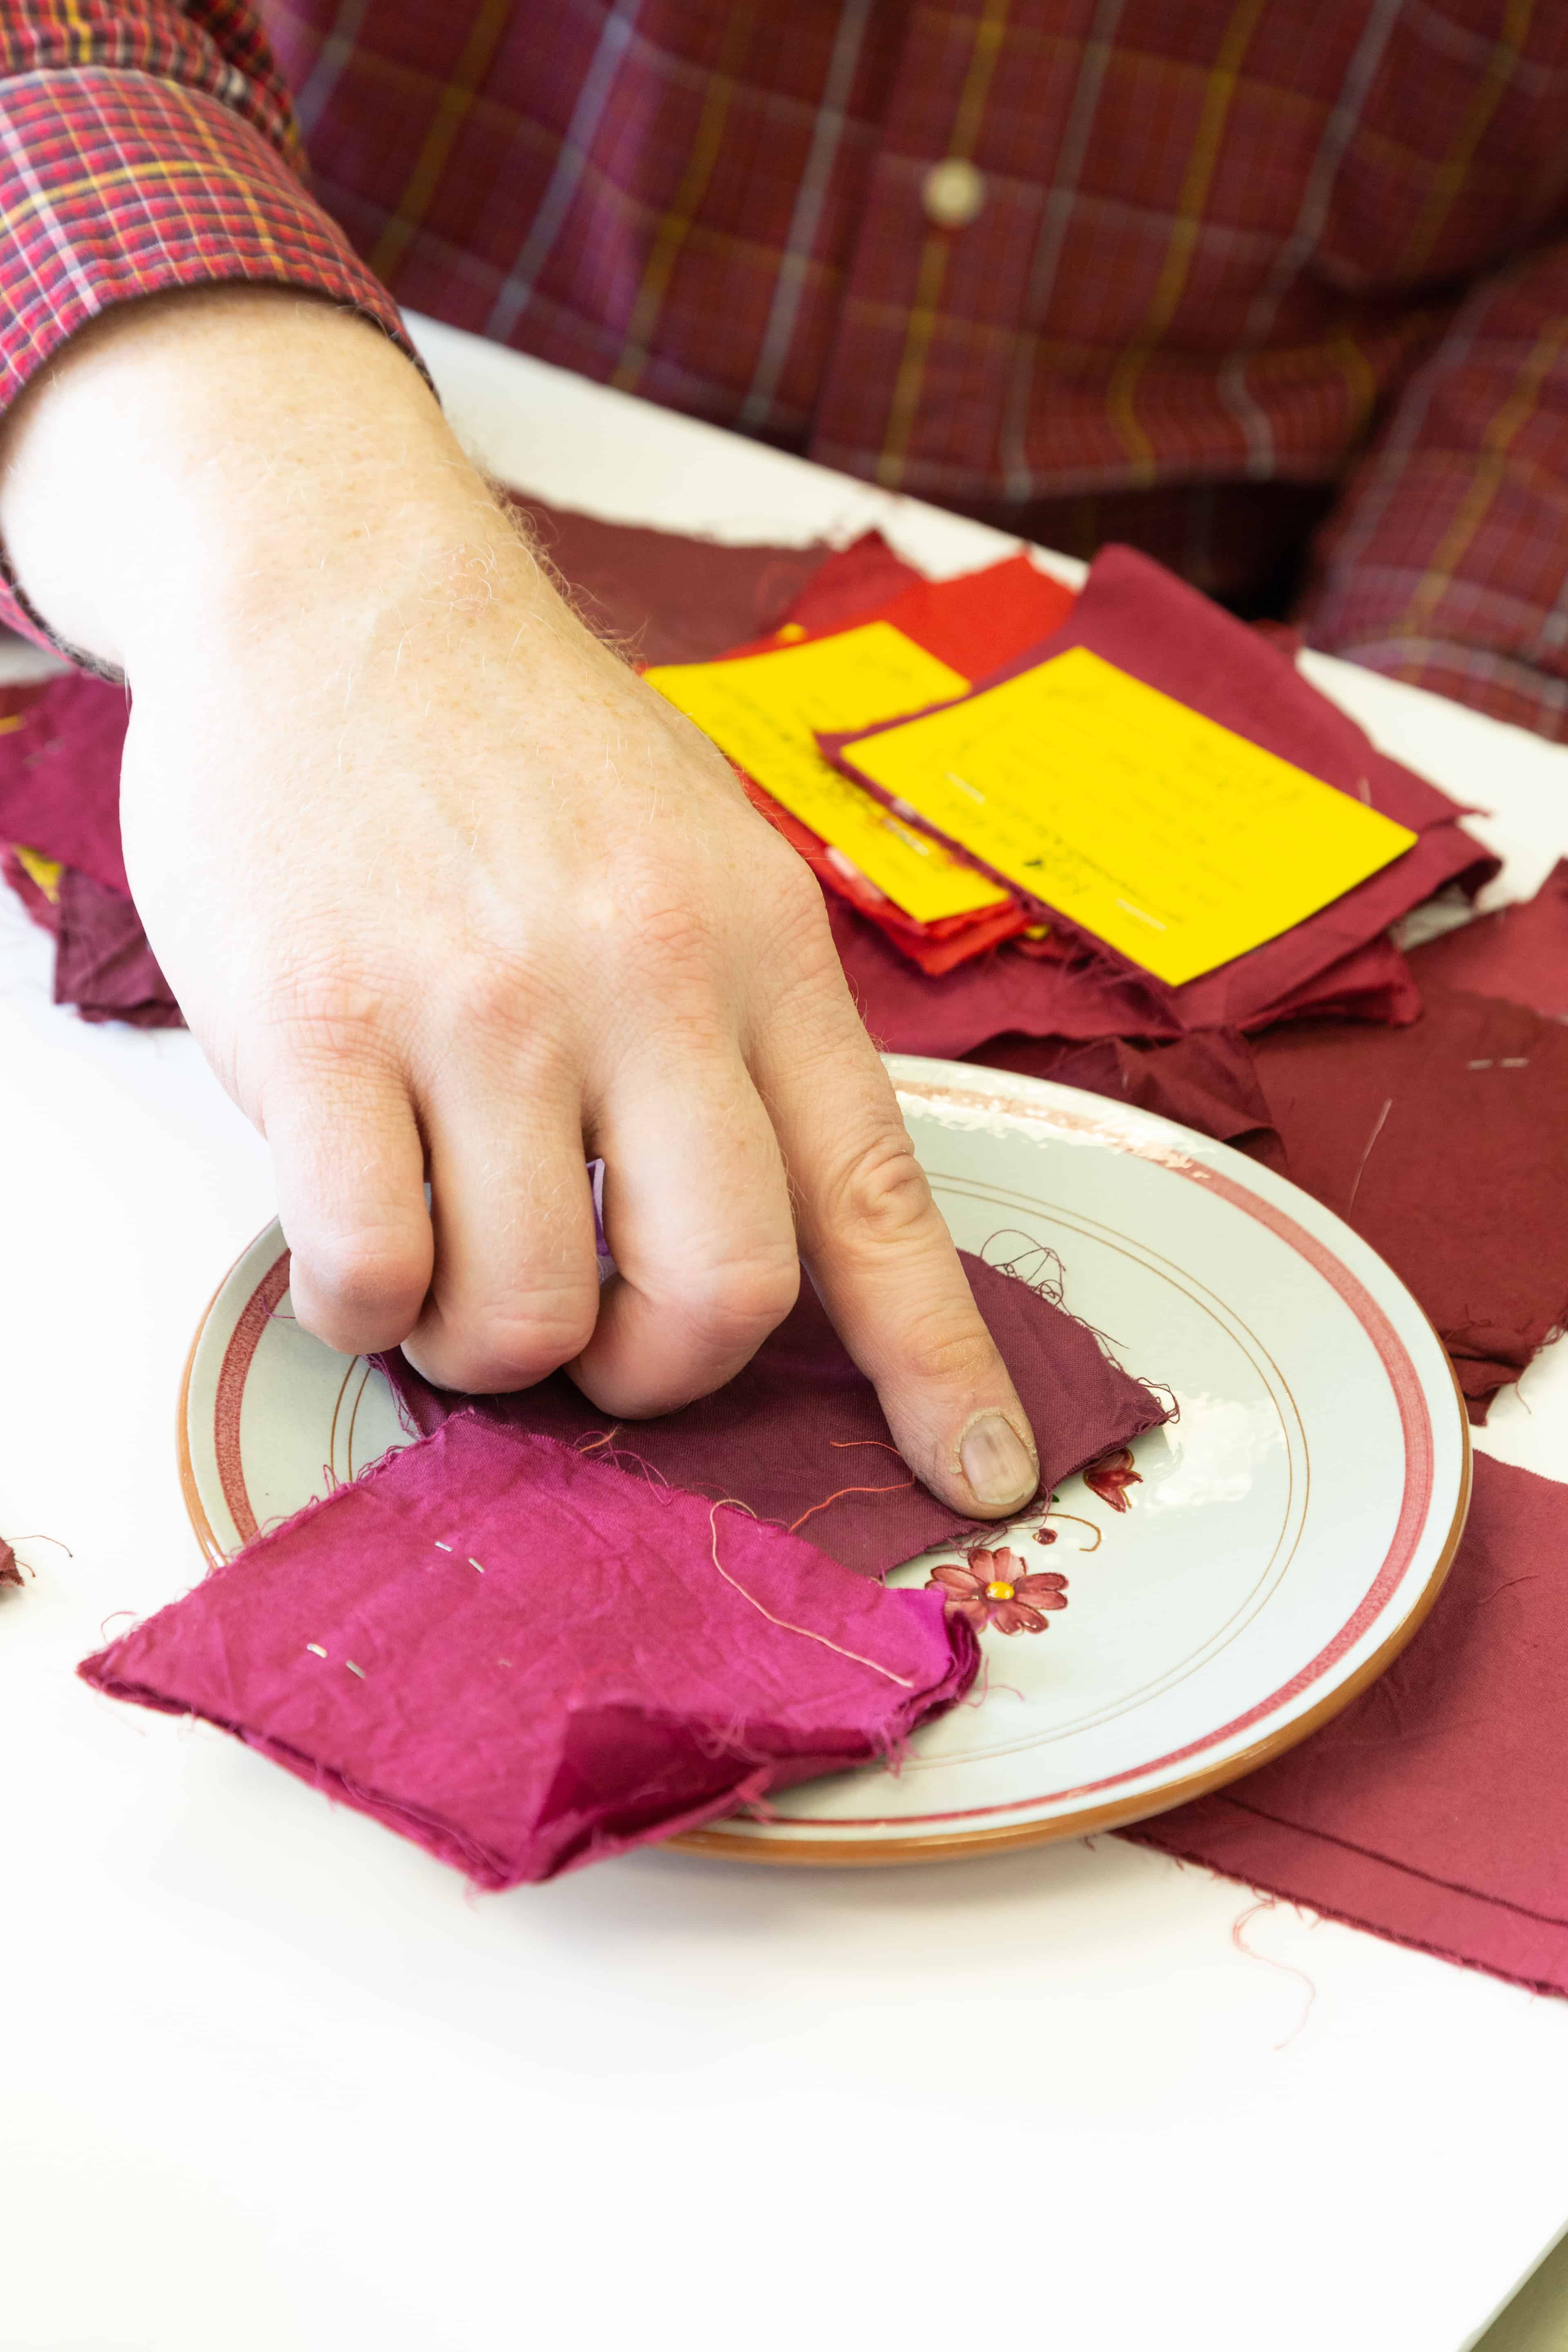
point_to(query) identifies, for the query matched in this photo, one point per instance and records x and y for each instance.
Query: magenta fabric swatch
(799, 1437)
(1153, 627)
(1445, 1145)
(59, 777)
(103, 964)
(1520, 952)
(525, 1659)
(1435, 1809)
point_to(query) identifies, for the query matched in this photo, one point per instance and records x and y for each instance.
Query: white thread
(1366, 1155)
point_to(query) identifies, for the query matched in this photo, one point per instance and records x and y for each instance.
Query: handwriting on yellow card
(763, 712)
(1172, 839)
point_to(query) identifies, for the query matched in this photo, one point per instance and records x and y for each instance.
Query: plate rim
(735, 1845)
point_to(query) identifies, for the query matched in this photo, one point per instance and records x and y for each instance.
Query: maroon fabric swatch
(526, 1660)
(800, 1424)
(663, 598)
(1153, 627)
(103, 964)
(1207, 1081)
(1435, 1809)
(1080, 998)
(1445, 1145)
(9, 1571)
(1520, 952)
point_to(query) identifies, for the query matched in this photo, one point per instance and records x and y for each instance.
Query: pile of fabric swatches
(1423, 1097)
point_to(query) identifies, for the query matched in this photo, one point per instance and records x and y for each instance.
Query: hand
(444, 889)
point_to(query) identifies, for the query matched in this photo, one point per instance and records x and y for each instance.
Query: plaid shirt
(1203, 277)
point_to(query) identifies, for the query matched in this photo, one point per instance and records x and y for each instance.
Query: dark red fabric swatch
(1445, 1145)
(1207, 1081)
(1520, 952)
(1079, 998)
(1435, 1809)
(103, 964)
(663, 598)
(9, 1571)
(800, 1424)
(1154, 627)
(525, 1659)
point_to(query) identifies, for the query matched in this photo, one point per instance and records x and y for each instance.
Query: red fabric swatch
(9, 1571)
(1435, 1809)
(1153, 627)
(1445, 1145)
(851, 587)
(800, 1424)
(973, 622)
(1520, 952)
(525, 1660)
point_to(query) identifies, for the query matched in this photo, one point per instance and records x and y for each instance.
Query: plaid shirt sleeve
(1446, 561)
(146, 146)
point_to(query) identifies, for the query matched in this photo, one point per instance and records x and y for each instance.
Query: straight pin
(477, 1563)
(354, 1669)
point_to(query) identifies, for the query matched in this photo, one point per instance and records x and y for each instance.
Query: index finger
(884, 1263)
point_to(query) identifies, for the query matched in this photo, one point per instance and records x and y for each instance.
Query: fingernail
(997, 1462)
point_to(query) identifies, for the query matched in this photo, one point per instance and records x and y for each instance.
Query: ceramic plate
(1282, 1541)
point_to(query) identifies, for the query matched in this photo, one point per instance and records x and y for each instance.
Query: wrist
(206, 470)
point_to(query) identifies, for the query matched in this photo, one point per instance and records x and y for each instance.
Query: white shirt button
(952, 192)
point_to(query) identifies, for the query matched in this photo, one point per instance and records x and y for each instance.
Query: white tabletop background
(273, 2081)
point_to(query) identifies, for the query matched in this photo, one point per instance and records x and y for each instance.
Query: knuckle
(883, 1193)
(668, 924)
(511, 1345)
(359, 1289)
(744, 1298)
(313, 1024)
(948, 1350)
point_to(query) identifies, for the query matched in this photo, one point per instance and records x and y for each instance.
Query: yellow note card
(763, 709)
(1175, 841)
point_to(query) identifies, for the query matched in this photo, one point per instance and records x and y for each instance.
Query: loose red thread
(1046, 1535)
(905, 1682)
(841, 1445)
(896, 1488)
(1287, 1967)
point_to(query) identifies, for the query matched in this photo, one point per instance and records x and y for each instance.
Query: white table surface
(271, 2078)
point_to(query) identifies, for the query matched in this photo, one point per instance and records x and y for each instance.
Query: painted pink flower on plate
(1110, 1476)
(996, 1588)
